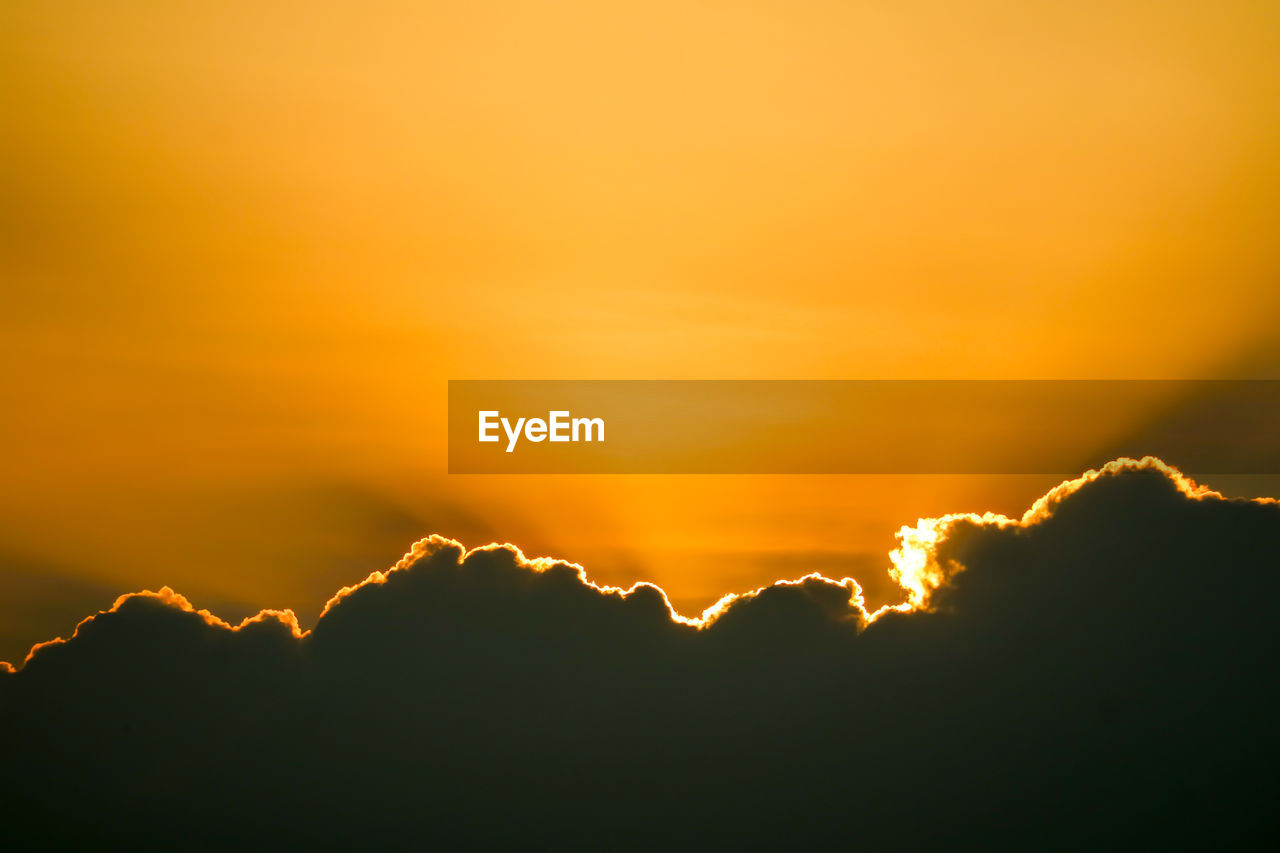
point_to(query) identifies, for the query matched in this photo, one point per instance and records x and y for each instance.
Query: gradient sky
(245, 245)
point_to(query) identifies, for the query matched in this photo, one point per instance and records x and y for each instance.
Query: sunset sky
(246, 245)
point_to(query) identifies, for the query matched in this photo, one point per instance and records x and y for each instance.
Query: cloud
(1097, 672)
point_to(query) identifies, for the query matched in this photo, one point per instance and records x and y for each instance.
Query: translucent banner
(859, 426)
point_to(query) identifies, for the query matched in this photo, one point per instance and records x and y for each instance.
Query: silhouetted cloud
(1097, 673)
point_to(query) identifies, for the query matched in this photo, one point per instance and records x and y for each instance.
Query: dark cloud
(1096, 674)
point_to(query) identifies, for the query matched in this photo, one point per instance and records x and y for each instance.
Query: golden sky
(245, 245)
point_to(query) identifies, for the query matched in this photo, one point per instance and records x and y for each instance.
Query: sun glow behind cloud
(916, 567)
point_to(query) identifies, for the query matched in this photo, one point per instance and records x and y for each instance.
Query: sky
(245, 245)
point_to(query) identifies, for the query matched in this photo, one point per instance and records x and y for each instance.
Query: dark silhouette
(1100, 676)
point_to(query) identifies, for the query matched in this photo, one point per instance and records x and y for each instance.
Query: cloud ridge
(1099, 668)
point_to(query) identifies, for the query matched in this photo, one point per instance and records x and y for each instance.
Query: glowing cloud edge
(915, 566)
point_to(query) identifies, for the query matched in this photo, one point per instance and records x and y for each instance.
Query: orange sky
(246, 244)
